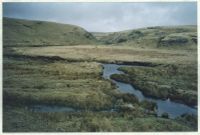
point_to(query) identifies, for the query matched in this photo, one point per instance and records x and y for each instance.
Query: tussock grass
(177, 82)
(26, 121)
(175, 78)
(73, 84)
(79, 84)
(55, 73)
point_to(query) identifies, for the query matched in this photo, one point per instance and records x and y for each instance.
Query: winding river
(172, 108)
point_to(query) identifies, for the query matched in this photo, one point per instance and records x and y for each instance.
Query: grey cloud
(106, 16)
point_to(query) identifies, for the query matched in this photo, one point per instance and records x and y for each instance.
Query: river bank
(76, 85)
(174, 109)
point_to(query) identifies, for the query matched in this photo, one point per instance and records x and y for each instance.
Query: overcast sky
(106, 17)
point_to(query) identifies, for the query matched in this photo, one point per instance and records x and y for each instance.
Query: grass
(40, 66)
(79, 85)
(179, 37)
(73, 84)
(113, 54)
(161, 82)
(26, 121)
(177, 82)
(19, 32)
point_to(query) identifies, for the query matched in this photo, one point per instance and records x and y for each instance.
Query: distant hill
(168, 36)
(17, 32)
(101, 35)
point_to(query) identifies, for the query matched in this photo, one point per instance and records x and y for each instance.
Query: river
(172, 108)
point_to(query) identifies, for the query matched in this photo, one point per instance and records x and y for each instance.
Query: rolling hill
(17, 32)
(166, 36)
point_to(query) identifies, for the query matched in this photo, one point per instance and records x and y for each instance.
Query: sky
(106, 17)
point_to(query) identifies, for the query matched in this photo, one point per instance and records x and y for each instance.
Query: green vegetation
(26, 121)
(78, 85)
(177, 82)
(48, 63)
(39, 33)
(190, 120)
(18, 32)
(180, 37)
(165, 115)
(151, 106)
(73, 84)
(112, 54)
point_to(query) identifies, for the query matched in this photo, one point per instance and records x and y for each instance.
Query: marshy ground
(51, 64)
(79, 84)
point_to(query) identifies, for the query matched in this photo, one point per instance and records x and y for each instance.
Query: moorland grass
(26, 121)
(176, 37)
(177, 82)
(71, 76)
(105, 54)
(174, 77)
(18, 32)
(74, 84)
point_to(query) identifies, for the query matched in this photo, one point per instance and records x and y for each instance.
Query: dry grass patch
(113, 53)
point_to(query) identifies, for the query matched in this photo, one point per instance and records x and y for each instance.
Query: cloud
(107, 17)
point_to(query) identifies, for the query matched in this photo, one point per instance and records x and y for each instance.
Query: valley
(50, 64)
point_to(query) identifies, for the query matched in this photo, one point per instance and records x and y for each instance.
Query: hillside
(61, 78)
(168, 36)
(101, 35)
(17, 32)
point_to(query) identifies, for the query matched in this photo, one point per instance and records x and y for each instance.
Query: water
(55, 108)
(51, 108)
(172, 108)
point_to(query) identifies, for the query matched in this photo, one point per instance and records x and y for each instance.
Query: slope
(155, 37)
(17, 32)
